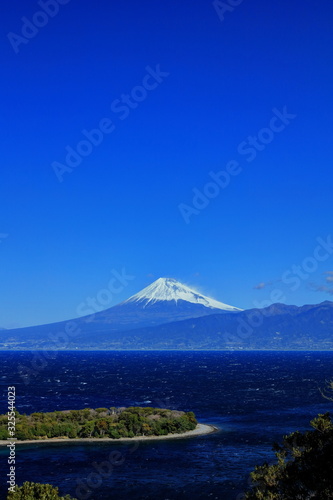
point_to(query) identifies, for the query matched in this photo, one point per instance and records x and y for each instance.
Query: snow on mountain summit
(168, 289)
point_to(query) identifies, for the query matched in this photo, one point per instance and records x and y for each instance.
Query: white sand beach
(200, 430)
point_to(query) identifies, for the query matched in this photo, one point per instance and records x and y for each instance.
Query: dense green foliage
(100, 423)
(36, 491)
(304, 468)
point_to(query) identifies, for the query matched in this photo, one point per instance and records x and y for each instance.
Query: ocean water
(254, 398)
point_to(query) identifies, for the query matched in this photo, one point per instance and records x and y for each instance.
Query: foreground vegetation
(303, 469)
(112, 423)
(36, 491)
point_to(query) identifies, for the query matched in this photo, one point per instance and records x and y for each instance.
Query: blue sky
(197, 85)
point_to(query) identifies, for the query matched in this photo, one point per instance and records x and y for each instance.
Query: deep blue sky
(120, 207)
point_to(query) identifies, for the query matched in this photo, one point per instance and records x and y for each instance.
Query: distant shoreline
(200, 430)
(144, 351)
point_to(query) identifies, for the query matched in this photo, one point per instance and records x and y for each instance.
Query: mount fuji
(171, 290)
(164, 301)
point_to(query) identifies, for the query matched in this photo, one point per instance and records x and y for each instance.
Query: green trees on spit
(111, 423)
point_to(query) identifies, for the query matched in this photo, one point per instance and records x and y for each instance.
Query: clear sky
(235, 102)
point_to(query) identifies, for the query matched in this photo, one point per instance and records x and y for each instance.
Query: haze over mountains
(169, 315)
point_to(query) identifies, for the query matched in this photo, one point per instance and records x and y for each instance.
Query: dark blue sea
(254, 398)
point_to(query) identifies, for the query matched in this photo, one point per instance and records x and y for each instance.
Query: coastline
(200, 430)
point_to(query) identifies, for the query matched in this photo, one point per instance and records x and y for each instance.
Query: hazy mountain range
(170, 315)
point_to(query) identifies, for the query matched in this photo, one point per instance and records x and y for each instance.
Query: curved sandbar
(200, 430)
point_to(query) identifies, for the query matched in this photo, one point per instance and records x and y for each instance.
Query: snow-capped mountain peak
(169, 289)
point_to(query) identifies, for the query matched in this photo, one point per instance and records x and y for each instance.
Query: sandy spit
(200, 430)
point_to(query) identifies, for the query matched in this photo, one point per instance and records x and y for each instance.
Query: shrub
(303, 469)
(36, 491)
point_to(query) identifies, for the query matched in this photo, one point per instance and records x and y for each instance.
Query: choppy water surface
(254, 398)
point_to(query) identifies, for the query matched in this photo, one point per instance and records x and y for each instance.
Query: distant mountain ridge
(277, 327)
(169, 315)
